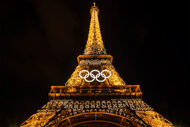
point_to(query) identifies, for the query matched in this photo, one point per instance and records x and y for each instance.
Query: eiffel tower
(95, 95)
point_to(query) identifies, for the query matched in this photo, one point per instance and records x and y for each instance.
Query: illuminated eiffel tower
(95, 94)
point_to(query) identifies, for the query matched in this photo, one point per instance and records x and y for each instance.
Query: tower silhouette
(95, 94)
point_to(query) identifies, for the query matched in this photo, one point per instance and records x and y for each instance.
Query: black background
(40, 40)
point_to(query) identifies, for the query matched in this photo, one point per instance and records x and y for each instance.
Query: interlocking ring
(93, 76)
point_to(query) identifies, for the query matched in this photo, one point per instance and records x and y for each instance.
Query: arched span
(94, 123)
(93, 118)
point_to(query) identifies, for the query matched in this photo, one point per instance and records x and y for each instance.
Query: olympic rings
(94, 76)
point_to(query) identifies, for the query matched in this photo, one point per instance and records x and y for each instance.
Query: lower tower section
(98, 107)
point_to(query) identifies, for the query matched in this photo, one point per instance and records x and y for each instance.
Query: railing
(76, 91)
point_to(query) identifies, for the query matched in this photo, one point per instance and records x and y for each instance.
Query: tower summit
(94, 45)
(95, 94)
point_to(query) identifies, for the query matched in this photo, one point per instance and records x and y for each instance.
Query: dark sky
(40, 40)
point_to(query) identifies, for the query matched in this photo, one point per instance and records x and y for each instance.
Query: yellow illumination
(94, 44)
(131, 108)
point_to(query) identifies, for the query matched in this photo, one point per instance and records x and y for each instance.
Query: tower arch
(93, 119)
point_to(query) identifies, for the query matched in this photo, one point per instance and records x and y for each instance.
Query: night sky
(41, 39)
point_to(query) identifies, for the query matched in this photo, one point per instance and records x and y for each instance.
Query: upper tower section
(94, 45)
(95, 76)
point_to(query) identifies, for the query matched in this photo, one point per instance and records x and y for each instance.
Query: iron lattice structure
(91, 97)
